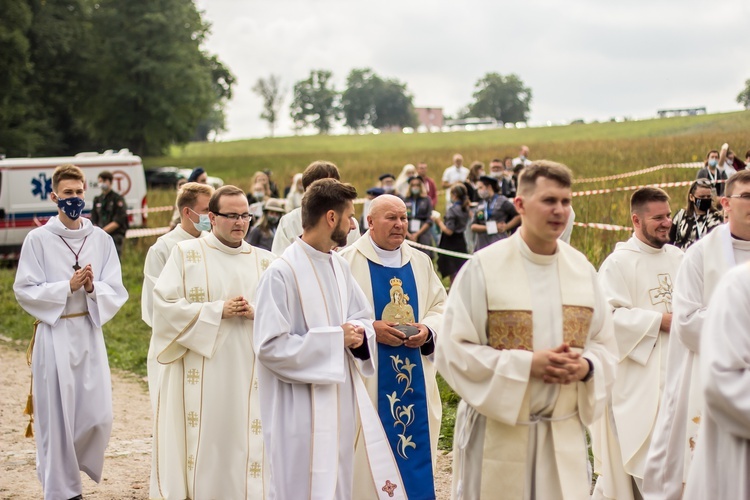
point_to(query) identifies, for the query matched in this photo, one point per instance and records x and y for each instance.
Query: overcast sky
(588, 59)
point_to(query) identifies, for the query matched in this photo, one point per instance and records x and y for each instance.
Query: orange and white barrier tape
(590, 192)
(624, 175)
(604, 227)
(150, 210)
(144, 232)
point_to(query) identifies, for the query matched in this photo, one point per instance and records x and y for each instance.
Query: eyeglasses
(743, 196)
(234, 217)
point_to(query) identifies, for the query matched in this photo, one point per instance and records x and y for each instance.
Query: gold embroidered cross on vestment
(255, 469)
(193, 256)
(192, 419)
(197, 294)
(193, 376)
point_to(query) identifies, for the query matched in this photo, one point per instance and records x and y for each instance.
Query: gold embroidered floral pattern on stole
(510, 330)
(403, 415)
(576, 324)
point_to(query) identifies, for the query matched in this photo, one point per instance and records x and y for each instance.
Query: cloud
(581, 58)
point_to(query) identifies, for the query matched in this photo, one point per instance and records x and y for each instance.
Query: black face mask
(703, 204)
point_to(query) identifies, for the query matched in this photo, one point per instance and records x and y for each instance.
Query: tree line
(98, 74)
(370, 101)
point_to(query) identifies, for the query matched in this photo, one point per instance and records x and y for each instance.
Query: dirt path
(127, 466)
(128, 462)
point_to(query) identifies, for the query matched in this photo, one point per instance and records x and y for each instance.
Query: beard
(654, 239)
(339, 237)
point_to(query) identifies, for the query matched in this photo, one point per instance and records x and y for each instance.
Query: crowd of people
(307, 369)
(470, 220)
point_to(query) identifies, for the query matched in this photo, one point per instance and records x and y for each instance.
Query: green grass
(590, 150)
(450, 401)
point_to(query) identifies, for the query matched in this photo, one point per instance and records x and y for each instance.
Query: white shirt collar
(389, 258)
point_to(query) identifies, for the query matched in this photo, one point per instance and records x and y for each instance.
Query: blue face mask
(72, 207)
(712, 162)
(203, 224)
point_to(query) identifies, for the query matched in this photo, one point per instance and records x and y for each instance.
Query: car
(163, 177)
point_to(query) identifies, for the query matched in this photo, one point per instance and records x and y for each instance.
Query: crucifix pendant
(76, 267)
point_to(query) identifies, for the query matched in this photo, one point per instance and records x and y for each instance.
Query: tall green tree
(744, 96)
(215, 121)
(358, 99)
(154, 83)
(270, 91)
(19, 132)
(315, 102)
(369, 100)
(61, 42)
(504, 98)
(393, 106)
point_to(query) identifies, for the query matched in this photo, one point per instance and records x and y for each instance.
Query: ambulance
(26, 184)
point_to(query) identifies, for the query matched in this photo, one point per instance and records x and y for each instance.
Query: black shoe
(77, 497)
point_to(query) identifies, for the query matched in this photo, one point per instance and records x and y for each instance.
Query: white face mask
(258, 195)
(203, 224)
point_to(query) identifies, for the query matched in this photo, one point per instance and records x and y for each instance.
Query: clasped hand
(83, 277)
(237, 307)
(354, 335)
(560, 365)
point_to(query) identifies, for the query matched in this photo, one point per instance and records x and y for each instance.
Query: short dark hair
(228, 190)
(496, 160)
(705, 163)
(320, 169)
(67, 172)
(646, 195)
(106, 175)
(324, 195)
(543, 168)
(741, 177)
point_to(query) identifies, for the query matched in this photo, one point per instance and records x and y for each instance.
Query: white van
(26, 183)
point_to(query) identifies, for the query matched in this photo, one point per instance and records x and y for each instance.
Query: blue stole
(402, 399)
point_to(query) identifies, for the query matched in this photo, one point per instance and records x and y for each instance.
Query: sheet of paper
(415, 225)
(491, 227)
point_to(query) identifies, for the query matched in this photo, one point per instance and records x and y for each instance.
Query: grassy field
(590, 150)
